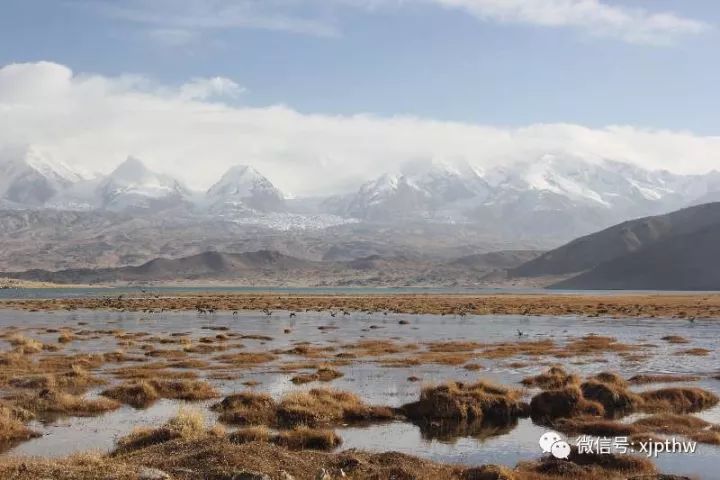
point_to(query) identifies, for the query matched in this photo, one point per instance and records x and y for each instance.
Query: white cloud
(95, 122)
(633, 25)
(176, 22)
(205, 88)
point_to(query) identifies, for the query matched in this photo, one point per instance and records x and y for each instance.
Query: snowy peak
(420, 187)
(244, 188)
(29, 178)
(132, 186)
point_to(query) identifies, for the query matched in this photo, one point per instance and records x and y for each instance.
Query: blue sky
(388, 57)
(350, 88)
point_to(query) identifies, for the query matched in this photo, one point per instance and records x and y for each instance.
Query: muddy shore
(685, 306)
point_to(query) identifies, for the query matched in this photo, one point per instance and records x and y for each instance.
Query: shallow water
(379, 385)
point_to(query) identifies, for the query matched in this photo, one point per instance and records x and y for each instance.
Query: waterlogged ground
(379, 378)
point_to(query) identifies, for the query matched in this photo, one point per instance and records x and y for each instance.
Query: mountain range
(54, 217)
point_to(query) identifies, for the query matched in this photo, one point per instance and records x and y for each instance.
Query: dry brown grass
(299, 438)
(139, 394)
(695, 352)
(555, 377)
(53, 402)
(458, 401)
(323, 374)
(246, 358)
(12, 426)
(678, 400)
(247, 408)
(184, 389)
(615, 399)
(668, 423)
(625, 305)
(676, 339)
(188, 424)
(595, 426)
(304, 438)
(322, 406)
(563, 403)
(587, 467)
(644, 379)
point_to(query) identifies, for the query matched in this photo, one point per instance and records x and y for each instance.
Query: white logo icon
(553, 443)
(561, 449)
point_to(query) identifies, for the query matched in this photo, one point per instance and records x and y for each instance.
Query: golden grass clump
(12, 426)
(256, 433)
(679, 400)
(563, 403)
(305, 438)
(323, 374)
(25, 345)
(322, 406)
(556, 377)
(614, 398)
(188, 424)
(53, 402)
(299, 438)
(247, 408)
(140, 394)
(184, 389)
(668, 423)
(459, 401)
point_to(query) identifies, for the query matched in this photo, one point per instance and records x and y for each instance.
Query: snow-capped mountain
(30, 178)
(244, 189)
(132, 186)
(424, 188)
(552, 193)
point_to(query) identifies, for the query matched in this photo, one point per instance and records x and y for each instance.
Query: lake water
(377, 384)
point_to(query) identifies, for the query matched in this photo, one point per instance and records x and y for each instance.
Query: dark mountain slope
(680, 262)
(615, 242)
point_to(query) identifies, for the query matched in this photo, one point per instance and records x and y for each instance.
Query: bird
(235, 313)
(691, 319)
(332, 314)
(520, 333)
(292, 314)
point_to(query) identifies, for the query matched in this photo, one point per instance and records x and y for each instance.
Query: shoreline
(677, 305)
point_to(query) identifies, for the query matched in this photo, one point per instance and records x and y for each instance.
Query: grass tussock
(299, 438)
(53, 402)
(458, 401)
(644, 379)
(188, 424)
(669, 423)
(321, 406)
(563, 403)
(25, 345)
(140, 394)
(184, 389)
(614, 397)
(12, 426)
(247, 408)
(323, 374)
(556, 377)
(679, 400)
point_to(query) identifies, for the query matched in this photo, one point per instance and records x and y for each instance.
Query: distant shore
(8, 283)
(679, 305)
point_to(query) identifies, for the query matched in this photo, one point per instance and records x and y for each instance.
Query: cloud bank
(191, 132)
(178, 21)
